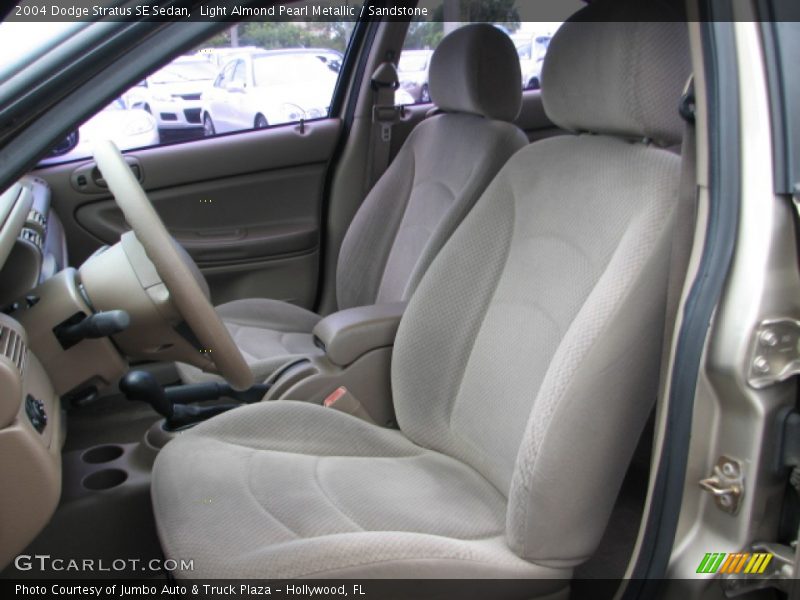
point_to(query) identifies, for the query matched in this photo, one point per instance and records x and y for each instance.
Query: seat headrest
(604, 73)
(476, 70)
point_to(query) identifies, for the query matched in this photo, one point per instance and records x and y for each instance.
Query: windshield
(184, 71)
(412, 62)
(22, 42)
(287, 69)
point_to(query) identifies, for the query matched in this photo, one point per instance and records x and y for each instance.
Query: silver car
(531, 50)
(412, 71)
(172, 96)
(256, 90)
(128, 127)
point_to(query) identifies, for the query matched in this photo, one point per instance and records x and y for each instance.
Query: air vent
(13, 347)
(34, 216)
(32, 236)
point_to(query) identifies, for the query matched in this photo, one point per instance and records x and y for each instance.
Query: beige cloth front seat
(435, 179)
(524, 369)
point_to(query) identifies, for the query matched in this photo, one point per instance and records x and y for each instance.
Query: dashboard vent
(13, 347)
(34, 216)
(32, 236)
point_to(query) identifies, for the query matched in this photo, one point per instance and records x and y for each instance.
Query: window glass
(531, 40)
(21, 42)
(225, 76)
(291, 69)
(258, 73)
(239, 78)
(530, 37)
(185, 69)
(128, 128)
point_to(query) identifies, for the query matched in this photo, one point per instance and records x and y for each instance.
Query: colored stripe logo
(751, 563)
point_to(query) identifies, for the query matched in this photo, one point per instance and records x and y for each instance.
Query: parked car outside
(219, 57)
(260, 89)
(127, 127)
(402, 97)
(172, 96)
(531, 50)
(328, 57)
(412, 71)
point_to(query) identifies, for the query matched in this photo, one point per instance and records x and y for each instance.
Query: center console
(357, 344)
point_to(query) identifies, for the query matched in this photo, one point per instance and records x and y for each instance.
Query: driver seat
(523, 373)
(438, 174)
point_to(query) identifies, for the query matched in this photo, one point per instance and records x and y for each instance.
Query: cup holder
(105, 479)
(102, 454)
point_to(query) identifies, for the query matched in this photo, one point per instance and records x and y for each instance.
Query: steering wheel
(187, 289)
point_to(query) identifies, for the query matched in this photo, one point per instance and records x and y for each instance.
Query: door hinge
(779, 571)
(775, 356)
(726, 484)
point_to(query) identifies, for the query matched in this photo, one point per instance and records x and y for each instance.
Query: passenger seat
(440, 171)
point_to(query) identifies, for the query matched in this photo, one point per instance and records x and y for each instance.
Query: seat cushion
(290, 489)
(269, 333)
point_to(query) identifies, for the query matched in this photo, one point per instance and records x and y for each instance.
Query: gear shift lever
(142, 386)
(172, 402)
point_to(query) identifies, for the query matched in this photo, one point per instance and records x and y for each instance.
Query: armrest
(351, 333)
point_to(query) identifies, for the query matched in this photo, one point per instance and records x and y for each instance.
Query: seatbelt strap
(385, 114)
(683, 224)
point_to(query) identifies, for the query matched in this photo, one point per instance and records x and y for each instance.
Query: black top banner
(344, 10)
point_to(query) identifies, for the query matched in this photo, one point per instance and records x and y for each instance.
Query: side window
(225, 76)
(239, 79)
(259, 73)
(530, 37)
(532, 42)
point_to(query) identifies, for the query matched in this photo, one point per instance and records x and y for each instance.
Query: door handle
(98, 179)
(88, 179)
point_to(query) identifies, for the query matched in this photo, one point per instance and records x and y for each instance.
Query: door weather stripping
(726, 484)
(775, 356)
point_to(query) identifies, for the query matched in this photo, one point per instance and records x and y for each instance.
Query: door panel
(246, 206)
(236, 218)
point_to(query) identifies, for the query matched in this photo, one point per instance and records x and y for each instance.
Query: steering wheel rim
(185, 291)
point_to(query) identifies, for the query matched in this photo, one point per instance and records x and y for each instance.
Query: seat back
(531, 347)
(439, 172)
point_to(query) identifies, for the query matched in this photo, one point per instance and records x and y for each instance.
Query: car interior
(397, 342)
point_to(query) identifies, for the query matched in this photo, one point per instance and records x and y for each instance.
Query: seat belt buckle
(343, 400)
(386, 117)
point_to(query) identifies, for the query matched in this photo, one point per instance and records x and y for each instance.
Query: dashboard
(52, 353)
(59, 346)
(32, 250)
